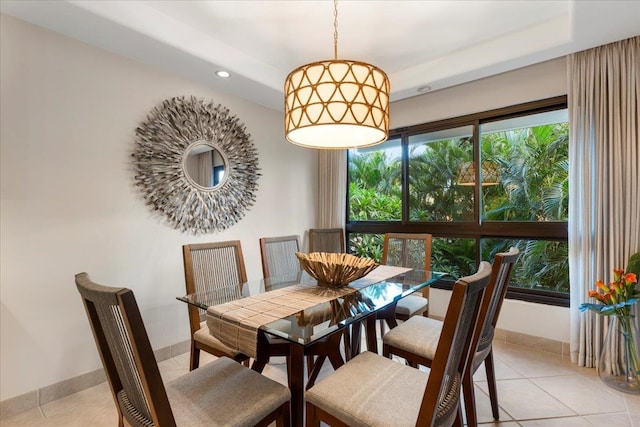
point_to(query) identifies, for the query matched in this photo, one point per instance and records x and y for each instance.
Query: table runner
(236, 323)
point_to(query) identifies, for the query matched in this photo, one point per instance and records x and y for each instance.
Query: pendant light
(336, 104)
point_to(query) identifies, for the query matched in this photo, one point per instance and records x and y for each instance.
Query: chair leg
(311, 416)
(469, 399)
(458, 422)
(259, 364)
(194, 360)
(491, 383)
(392, 322)
(310, 364)
(313, 373)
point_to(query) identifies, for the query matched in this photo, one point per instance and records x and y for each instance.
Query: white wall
(68, 204)
(544, 80)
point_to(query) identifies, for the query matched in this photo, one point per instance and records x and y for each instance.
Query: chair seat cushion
(224, 393)
(411, 305)
(203, 336)
(418, 335)
(371, 390)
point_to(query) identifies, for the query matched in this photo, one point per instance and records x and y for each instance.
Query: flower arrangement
(616, 298)
(621, 369)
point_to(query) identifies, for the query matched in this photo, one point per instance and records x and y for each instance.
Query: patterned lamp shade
(467, 174)
(337, 104)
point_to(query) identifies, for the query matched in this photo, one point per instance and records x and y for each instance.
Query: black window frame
(476, 229)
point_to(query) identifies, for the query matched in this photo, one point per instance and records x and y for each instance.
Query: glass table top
(307, 326)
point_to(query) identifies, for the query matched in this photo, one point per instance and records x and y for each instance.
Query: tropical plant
(533, 165)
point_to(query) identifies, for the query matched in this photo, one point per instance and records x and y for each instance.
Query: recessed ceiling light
(423, 89)
(223, 74)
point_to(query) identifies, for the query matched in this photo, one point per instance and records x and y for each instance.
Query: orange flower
(630, 278)
(600, 284)
(617, 274)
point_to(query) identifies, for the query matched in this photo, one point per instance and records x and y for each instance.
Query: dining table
(296, 309)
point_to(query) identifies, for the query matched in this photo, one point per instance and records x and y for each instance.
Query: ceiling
(428, 43)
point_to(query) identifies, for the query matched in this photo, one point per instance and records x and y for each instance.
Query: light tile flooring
(535, 389)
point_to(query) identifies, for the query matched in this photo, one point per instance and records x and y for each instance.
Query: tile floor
(535, 389)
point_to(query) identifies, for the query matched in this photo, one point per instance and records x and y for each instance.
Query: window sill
(529, 295)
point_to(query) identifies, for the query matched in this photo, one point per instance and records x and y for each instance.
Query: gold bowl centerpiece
(335, 270)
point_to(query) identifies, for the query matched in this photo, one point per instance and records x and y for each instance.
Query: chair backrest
(407, 250)
(216, 268)
(279, 256)
(326, 240)
(502, 268)
(126, 354)
(442, 394)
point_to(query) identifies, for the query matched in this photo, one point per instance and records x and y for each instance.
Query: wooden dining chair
(279, 260)
(217, 269)
(406, 250)
(279, 256)
(416, 340)
(371, 390)
(326, 240)
(221, 393)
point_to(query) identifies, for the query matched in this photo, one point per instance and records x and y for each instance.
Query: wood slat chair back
(442, 395)
(436, 403)
(126, 354)
(407, 250)
(502, 269)
(218, 270)
(221, 393)
(279, 256)
(326, 240)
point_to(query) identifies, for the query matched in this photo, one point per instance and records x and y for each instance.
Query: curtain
(604, 176)
(205, 169)
(332, 189)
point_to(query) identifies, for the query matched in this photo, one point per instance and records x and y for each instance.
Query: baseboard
(16, 405)
(525, 340)
(543, 344)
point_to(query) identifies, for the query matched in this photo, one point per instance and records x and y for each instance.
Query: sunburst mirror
(196, 165)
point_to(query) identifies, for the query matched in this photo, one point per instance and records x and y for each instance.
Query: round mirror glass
(204, 165)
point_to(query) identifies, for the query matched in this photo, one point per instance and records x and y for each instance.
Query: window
(425, 179)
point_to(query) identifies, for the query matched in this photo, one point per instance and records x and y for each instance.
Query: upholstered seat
(416, 340)
(420, 336)
(350, 394)
(203, 336)
(371, 390)
(221, 393)
(224, 393)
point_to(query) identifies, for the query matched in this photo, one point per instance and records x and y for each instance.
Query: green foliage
(367, 245)
(433, 192)
(455, 256)
(534, 186)
(634, 265)
(367, 204)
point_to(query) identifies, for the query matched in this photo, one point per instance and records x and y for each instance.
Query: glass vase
(619, 364)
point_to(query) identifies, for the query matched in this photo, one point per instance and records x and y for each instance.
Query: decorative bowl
(335, 270)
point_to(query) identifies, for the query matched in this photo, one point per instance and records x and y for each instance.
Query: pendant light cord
(335, 29)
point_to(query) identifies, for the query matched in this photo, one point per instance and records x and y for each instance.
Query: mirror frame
(162, 140)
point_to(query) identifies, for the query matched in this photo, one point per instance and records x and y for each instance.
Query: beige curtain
(604, 176)
(332, 188)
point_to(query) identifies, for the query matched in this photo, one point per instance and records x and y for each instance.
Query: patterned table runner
(236, 323)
